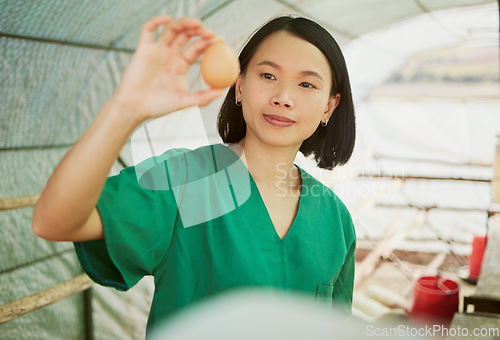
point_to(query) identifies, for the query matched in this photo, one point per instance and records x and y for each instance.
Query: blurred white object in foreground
(261, 314)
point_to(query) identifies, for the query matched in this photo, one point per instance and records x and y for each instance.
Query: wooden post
(495, 183)
(44, 298)
(18, 202)
(385, 246)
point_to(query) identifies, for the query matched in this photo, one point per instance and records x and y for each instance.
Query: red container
(435, 301)
(476, 256)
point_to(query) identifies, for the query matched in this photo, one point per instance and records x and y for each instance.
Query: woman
(222, 216)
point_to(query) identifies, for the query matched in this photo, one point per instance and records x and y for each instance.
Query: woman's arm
(153, 85)
(66, 209)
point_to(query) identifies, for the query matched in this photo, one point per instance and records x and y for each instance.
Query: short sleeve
(138, 214)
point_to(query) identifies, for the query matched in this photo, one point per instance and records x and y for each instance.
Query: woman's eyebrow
(306, 72)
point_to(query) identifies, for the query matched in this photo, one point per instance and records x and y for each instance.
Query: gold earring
(324, 122)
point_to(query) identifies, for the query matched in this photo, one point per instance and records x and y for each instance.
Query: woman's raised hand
(155, 81)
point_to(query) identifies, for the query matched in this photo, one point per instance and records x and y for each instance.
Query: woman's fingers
(149, 27)
(155, 80)
(202, 98)
(176, 34)
(182, 38)
(176, 27)
(193, 51)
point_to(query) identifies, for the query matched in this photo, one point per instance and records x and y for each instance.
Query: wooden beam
(10, 203)
(429, 161)
(385, 247)
(495, 183)
(427, 178)
(490, 211)
(44, 298)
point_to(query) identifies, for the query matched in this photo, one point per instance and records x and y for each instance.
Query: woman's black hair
(331, 145)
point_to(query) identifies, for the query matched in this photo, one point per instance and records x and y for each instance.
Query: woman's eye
(268, 76)
(307, 85)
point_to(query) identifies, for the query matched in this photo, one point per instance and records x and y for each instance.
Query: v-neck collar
(267, 225)
(263, 206)
(300, 238)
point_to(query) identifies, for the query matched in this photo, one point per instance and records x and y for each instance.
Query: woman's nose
(282, 98)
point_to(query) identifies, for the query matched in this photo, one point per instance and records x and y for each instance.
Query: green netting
(51, 91)
(113, 23)
(62, 320)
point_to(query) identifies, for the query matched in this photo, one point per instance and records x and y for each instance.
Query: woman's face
(285, 91)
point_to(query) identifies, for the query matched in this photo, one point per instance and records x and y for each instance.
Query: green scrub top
(195, 220)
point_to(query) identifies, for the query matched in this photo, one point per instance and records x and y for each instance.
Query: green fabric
(194, 219)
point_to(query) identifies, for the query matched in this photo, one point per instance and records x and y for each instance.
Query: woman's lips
(279, 121)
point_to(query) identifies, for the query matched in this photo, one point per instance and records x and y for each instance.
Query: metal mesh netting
(52, 91)
(109, 23)
(30, 264)
(62, 320)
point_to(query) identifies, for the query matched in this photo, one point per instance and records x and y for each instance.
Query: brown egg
(219, 65)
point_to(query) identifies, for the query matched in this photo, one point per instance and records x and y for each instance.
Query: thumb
(205, 97)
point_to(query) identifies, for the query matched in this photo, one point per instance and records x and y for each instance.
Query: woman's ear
(333, 102)
(238, 87)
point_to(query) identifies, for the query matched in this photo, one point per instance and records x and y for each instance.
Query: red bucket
(435, 301)
(476, 257)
